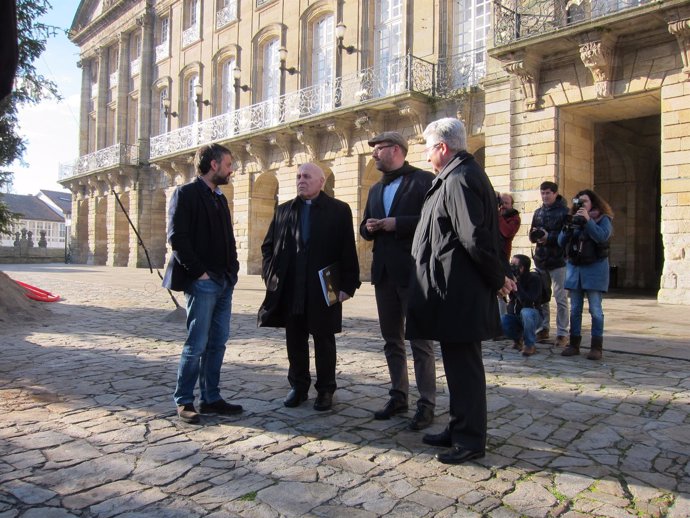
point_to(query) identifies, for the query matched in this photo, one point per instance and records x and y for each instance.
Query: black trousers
(464, 368)
(297, 341)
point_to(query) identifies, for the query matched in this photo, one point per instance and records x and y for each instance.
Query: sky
(51, 128)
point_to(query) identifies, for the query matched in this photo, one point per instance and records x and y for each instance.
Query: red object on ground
(35, 293)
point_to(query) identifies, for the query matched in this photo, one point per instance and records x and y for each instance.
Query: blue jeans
(524, 326)
(208, 328)
(577, 298)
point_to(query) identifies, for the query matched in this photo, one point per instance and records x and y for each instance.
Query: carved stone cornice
(597, 52)
(283, 141)
(239, 157)
(310, 140)
(257, 150)
(680, 28)
(343, 130)
(371, 123)
(416, 112)
(118, 180)
(526, 67)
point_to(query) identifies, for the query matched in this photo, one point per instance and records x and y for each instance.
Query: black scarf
(391, 176)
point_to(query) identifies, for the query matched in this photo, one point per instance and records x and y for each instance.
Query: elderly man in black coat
(307, 234)
(390, 218)
(458, 271)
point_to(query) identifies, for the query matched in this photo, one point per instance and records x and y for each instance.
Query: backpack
(545, 285)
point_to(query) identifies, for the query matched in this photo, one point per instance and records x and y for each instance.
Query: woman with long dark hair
(585, 239)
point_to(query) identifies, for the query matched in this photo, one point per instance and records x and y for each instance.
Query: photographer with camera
(547, 222)
(508, 225)
(523, 316)
(585, 238)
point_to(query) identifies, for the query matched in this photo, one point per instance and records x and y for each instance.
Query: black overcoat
(194, 227)
(392, 250)
(332, 240)
(457, 254)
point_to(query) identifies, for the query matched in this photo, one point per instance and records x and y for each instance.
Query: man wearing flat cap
(390, 218)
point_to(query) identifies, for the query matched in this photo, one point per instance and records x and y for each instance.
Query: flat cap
(389, 136)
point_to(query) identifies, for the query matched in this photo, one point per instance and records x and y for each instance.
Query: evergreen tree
(30, 87)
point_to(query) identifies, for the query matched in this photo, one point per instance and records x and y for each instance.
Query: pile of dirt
(17, 307)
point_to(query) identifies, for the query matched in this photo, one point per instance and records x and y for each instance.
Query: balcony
(163, 51)
(226, 15)
(403, 75)
(191, 35)
(117, 155)
(518, 19)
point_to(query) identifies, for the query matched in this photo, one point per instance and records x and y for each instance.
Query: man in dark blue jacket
(547, 222)
(204, 265)
(390, 218)
(523, 314)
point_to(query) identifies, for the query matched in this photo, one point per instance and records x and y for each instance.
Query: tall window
(388, 45)
(271, 81)
(323, 53)
(192, 108)
(227, 93)
(163, 38)
(192, 25)
(162, 119)
(473, 22)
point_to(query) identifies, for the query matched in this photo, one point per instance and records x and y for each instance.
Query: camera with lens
(536, 234)
(498, 200)
(515, 270)
(576, 219)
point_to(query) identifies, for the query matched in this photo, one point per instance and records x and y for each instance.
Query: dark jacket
(290, 271)
(528, 293)
(508, 225)
(392, 249)
(195, 233)
(458, 258)
(594, 275)
(550, 255)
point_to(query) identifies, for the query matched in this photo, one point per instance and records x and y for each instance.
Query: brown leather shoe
(529, 350)
(543, 335)
(517, 345)
(187, 413)
(561, 341)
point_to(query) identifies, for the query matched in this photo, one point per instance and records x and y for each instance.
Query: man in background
(547, 222)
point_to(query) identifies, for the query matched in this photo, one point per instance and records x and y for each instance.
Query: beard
(220, 179)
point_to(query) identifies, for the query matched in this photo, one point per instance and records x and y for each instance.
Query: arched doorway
(263, 203)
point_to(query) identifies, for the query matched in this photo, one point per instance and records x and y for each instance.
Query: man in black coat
(459, 268)
(547, 222)
(390, 218)
(203, 265)
(309, 233)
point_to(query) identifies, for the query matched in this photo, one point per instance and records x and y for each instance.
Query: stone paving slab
(88, 427)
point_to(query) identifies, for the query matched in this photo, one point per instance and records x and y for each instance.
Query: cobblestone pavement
(87, 423)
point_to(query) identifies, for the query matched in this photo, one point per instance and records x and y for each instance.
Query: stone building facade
(585, 93)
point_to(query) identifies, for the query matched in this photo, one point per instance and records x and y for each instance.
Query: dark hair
(524, 261)
(206, 154)
(548, 186)
(598, 202)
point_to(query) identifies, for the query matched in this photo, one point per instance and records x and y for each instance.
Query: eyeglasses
(377, 149)
(434, 146)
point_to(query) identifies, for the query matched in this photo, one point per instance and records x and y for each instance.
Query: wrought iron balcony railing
(119, 154)
(405, 74)
(163, 51)
(227, 14)
(191, 34)
(519, 19)
(456, 73)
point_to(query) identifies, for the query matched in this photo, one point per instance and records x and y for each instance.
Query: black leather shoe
(438, 439)
(394, 406)
(422, 418)
(295, 398)
(458, 455)
(324, 401)
(220, 407)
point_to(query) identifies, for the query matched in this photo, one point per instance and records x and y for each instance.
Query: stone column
(102, 99)
(146, 22)
(121, 110)
(86, 65)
